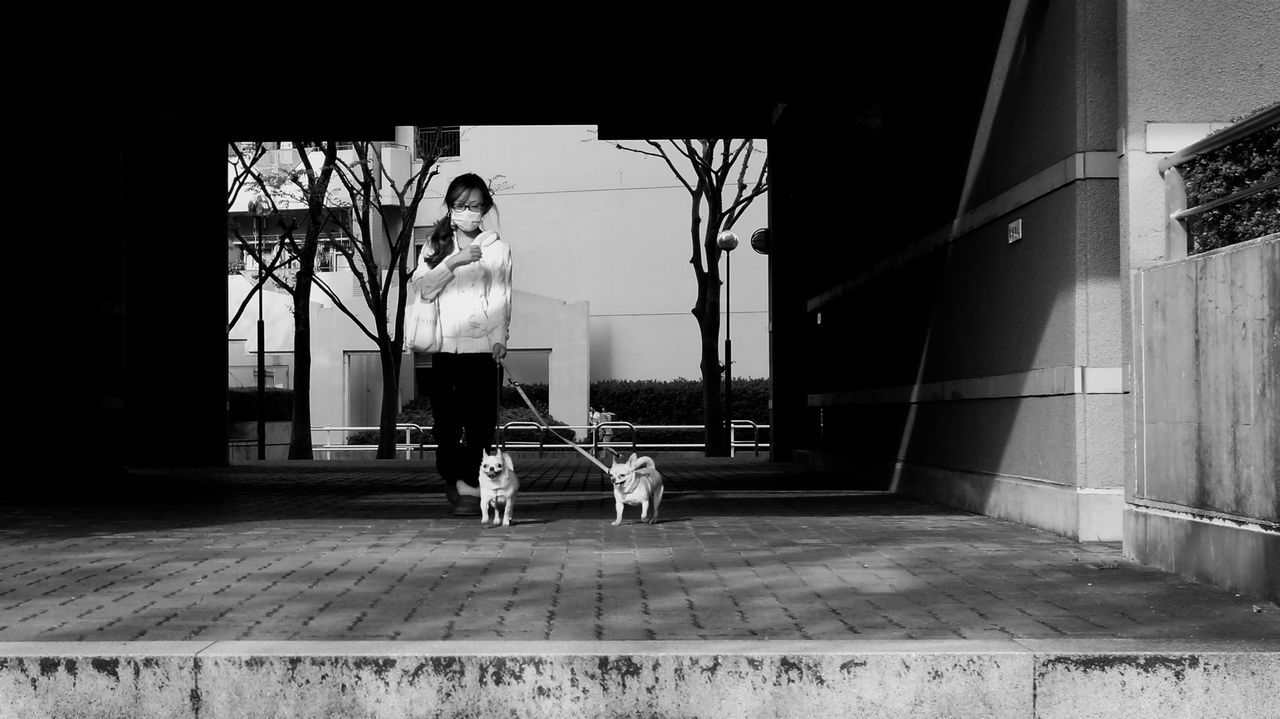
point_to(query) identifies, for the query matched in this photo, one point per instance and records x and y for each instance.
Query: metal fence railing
(598, 437)
(408, 446)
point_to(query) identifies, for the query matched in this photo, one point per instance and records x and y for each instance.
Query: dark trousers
(464, 403)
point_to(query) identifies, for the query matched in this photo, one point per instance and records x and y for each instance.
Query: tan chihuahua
(636, 481)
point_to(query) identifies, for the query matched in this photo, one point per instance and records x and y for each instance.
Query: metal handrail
(733, 425)
(502, 442)
(409, 446)
(1221, 139)
(1175, 193)
(1233, 197)
(597, 433)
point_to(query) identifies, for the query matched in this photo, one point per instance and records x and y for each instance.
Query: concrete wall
(729, 679)
(1205, 496)
(564, 329)
(996, 383)
(1185, 68)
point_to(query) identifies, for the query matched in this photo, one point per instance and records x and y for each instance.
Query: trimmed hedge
(1235, 167)
(677, 401)
(242, 404)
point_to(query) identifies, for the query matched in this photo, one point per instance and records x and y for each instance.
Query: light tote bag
(423, 330)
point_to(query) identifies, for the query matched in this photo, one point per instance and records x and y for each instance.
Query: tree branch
(268, 268)
(359, 201)
(722, 172)
(286, 235)
(740, 205)
(239, 181)
(342, 307)
(700, 164)
(257, 287)
(665, 158)
(737, 152)
(620, 146)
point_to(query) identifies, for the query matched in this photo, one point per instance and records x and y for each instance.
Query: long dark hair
(440, 244)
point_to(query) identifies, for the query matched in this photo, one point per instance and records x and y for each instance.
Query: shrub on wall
(242, 404)
(1216, 174)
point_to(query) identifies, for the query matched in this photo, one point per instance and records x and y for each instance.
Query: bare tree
(374, 223)
(712, 162)
(311, 187)
(382, 227)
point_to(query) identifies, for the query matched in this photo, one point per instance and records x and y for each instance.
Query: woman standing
(468, 270)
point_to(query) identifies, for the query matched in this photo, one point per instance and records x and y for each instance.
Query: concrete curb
(725, 679)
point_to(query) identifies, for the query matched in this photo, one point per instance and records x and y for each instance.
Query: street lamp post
(258, 209)
(727, 241)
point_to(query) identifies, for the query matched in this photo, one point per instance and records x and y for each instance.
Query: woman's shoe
(451, 492)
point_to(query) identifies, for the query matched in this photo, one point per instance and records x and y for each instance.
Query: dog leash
(520, 390)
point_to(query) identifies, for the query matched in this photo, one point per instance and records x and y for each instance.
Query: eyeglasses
(474, 207)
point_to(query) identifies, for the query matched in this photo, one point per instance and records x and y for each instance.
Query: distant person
(606, 433)
(468, 269)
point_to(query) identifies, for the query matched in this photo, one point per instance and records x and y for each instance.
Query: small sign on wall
(1015, 230)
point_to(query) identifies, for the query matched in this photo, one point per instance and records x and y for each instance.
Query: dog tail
(645, 464)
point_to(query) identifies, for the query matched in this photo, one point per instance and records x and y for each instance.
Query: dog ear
(632, 458)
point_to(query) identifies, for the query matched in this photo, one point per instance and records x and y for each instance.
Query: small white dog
(498, 487)
(636, 481)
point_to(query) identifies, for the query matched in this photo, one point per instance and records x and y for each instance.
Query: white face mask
(467, 220)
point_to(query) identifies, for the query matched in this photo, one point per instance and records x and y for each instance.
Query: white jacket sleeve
(501, 301)
(428, 281)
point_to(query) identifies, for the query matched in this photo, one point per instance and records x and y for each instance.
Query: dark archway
(162, 92)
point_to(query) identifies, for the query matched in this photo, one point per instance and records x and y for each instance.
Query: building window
(437, 142)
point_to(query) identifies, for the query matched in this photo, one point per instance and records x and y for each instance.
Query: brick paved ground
(745, 549)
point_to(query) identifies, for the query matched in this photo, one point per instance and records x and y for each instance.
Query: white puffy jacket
(475, 299)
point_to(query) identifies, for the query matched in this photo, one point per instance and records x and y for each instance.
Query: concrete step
(722, 679)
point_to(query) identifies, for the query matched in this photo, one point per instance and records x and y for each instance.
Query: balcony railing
(1179, 236)
(327, 258)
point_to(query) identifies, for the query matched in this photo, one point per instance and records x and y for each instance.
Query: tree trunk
(300, 433)
(712, 411)
(708, 314)
(387, 435)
